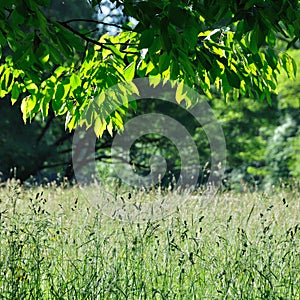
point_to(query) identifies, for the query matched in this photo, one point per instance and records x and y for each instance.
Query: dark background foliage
(263, 144)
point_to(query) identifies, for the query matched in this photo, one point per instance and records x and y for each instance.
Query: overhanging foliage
(228, 44)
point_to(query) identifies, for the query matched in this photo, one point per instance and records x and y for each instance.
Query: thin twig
(94, 21)
(84, 37)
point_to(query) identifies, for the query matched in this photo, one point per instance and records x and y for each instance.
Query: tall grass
(234, 246)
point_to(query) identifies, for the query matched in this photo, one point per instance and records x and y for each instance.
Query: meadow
(54, 245)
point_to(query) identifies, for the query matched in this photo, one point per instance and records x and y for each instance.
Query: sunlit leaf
(180, 95)
(75, 81)
(129, 72)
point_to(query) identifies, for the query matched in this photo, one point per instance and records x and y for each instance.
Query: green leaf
(129, 72)
(294, 67)
(146, 39)
(253, 42)
(99, 127)
(271, 38)
(233, 78)
(27, 106)
(15, 93)
(42, 53)
(56, 105)
(259, 36)
(154, 80)
(8, 79)
(190, 35)
(178, 16)
(165, 37)
(32, 88)
(118, 121)
(271, 58)
(75, 81)
(236, 94)
(3, 40)
(73, 40)
(109, 127)
(180, 95)
(71, 122)
(115, 51)
(289, 65)
(226, 87)
(23, 56)
(59, 71)
(17, 18)
(268, 96)
(164, 62)
(156, 45)
(62, 91)
(64, 45)
(44, 107)
(175, 70)
(55, 55)
(133, 104)
(239, 31)
(187, 67)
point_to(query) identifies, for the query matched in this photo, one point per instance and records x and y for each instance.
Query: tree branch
(289, 43)
(53, 165)
(63, 138)
(87, 39)
(95, 22)
(47, 126)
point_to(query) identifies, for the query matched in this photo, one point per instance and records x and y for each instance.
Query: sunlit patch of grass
(234, 246)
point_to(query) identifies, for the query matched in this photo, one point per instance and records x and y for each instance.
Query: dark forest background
(263, 140)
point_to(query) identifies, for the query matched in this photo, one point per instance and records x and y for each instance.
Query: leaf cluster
(229, 46)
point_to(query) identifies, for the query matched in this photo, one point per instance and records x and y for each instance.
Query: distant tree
(262, 140)
(283, 148)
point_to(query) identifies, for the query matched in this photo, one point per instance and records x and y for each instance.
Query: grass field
(232, 246)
